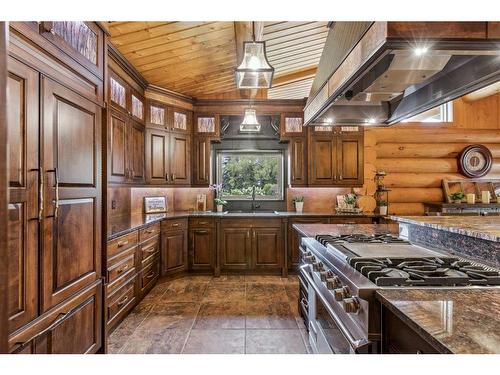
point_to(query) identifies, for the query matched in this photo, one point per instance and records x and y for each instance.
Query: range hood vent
(388, 76)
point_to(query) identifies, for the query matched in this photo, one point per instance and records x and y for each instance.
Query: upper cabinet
(336, 156)
(125, 98)
(84, 41)
(181, 120)
(207, 125)
(292, 125)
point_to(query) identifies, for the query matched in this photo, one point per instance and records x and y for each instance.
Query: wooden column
(3, 187)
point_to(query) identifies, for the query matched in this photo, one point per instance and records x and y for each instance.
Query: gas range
(342, 274)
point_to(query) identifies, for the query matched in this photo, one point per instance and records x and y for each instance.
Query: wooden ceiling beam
(294, 76)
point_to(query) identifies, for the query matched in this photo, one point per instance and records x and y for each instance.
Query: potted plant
(457, 197)
(299, 203)
(382, 207)
(350, 200)
(220, 203)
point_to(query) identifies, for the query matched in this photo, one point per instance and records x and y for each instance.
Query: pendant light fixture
(254, 72)
(250, 123)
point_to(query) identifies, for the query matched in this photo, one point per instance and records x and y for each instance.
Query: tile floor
(203, 314)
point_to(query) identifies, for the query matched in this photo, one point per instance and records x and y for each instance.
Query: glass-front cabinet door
(292, 125)
(181, 120)
(207, 124)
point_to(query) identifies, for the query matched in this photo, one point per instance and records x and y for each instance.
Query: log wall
(417, 156)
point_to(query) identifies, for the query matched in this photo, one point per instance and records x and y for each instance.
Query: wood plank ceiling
(199, 58)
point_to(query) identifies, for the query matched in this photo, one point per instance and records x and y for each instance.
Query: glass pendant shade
(254, 72)
(250, 123)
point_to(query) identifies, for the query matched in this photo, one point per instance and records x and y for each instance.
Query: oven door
(327, 333)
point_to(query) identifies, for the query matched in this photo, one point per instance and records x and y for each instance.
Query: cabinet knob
(166, 176)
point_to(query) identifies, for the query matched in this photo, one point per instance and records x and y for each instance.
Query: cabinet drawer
(201, 223)
(149, 249)
(174, 224)
(121, 301)
(149, 275)
(149, 232)
(120, 266)
(122, 243)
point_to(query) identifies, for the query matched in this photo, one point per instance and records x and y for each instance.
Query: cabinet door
(201, 249)
(201, 165)
(72, 328)
(71, 243)
(350, 159)
(181, 120)
(23, 175)
(135, 146)
(267, 248)
(298, 161)
(173, 251)
(117, 147)
(235, 248)
(157, 168)
(322, 160)
(180, 159)
(207, 125)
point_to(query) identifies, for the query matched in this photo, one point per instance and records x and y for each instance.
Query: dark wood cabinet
(251, 244)
(168, 158)
(23, 176)
(336, 157)
(297, 150)
(293, 242)
(201, 162)
(267, 248)
(202, 247)
(174, 244)
(235, 248)
(350, 159)
(157, 157)
(74, 327)
(180, 120)
(180, 159)
(125, 149)
(71, 217)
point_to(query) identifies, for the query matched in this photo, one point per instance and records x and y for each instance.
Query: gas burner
(446, 271)
(359, 238)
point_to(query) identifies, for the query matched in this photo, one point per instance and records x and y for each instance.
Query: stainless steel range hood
(397, 70)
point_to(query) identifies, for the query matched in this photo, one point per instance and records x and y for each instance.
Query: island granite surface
(453, 320)
(482, 227)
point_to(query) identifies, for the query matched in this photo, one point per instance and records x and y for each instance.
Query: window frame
(281, 174)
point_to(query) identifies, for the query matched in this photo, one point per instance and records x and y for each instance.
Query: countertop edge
(428, 337)
(447, 228)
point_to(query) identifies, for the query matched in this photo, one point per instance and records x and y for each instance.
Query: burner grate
(359, 238)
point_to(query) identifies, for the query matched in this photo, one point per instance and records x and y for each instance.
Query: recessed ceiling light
(419, 51)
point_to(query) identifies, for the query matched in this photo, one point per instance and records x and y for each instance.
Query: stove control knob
(351, 305)
(309, 259)
(341, 293)
(318, 266)
(333, 282)
(324, 275)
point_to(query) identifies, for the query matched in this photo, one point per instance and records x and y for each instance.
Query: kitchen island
(474, 237)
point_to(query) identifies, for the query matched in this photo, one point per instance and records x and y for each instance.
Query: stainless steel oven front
(328, 334)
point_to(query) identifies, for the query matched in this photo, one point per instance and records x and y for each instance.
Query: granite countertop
(458, 320)
(312, 230)
(120, 225)
(484, 227)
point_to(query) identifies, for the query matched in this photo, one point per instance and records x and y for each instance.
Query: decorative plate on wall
(475, 161)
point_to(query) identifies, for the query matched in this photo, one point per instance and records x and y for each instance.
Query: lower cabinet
(294, 239)
(133, 267)
(73, 327)
(251, 245)
(202, 243)
(174, 247)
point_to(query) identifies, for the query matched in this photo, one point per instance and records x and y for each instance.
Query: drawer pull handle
(151, 249)
(149, 231)
(175, 224)
(151, 274)
(121, 302)
(123, 243)
(201, 231)
(125, 267)
(203, 222)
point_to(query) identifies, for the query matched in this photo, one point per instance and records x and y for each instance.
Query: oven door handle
(355, 344)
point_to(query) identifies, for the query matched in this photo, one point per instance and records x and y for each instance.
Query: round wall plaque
(475, 161)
